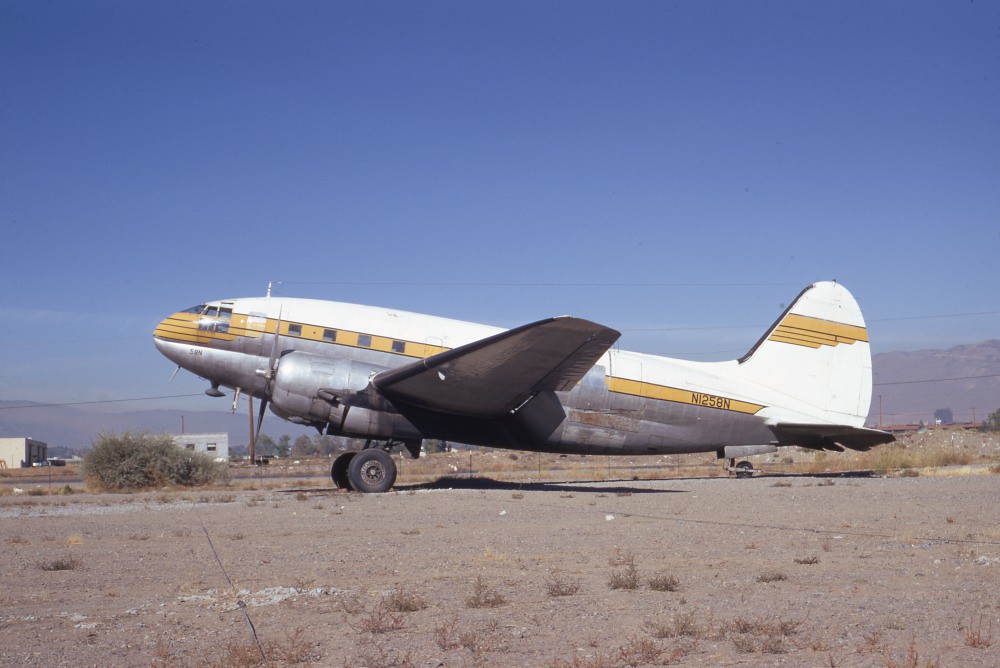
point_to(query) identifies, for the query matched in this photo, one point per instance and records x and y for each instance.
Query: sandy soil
(798, 571)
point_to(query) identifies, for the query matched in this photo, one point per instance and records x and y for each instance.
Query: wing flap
(493, 376)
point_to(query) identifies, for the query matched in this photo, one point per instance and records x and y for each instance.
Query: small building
(943, 416)
(17, 452)
(215, 445)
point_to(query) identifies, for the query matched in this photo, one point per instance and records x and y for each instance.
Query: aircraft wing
(830, 436)
(494, 376)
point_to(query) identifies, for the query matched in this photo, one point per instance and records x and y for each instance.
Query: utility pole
(252, 459)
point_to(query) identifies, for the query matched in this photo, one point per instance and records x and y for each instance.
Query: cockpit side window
(195, 309)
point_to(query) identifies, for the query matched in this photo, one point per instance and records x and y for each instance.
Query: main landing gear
(372, 470)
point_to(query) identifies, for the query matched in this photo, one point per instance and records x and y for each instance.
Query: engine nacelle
(316, 388)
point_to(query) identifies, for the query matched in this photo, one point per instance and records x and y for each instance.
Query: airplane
(393, 378)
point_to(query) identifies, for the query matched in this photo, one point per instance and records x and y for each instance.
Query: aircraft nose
(180, 327)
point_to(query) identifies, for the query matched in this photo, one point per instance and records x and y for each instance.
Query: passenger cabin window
(295, 330)
(399, 346)
(330, 335)
(365, 340)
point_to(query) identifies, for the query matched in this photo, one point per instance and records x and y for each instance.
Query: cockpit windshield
(195, 309)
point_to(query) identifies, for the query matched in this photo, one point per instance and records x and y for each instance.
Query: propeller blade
(260, 417)
(273, 366)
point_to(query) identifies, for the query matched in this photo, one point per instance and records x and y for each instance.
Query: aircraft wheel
(744, 469)
(339, 471)
(372, 471)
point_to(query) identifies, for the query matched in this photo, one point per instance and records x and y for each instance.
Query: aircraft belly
(657, 427)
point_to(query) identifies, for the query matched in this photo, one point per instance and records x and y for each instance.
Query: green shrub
(138, 460)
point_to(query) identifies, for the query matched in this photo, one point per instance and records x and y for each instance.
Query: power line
(105, 401)
(936, 380)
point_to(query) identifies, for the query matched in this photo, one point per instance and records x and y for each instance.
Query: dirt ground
(798, 571)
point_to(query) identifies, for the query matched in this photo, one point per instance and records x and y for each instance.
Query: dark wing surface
(494, 376)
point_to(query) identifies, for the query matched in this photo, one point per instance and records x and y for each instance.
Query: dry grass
(485, 596)
(911, 660)
(291, 650)
(772, 576)
(663, 582)
(61, 564)
(381, 619)
(557, 585)
(626, 577)
(405, 600)
(974, 634)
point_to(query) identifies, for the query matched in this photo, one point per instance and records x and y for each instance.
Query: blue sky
(679, 171)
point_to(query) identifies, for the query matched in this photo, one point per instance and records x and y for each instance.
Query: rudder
(817, 352)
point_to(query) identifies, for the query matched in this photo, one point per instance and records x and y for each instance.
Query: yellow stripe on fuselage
(663, 393)
(802, 330)
(185, 327)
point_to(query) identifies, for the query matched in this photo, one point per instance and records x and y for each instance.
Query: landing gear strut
(371, 471)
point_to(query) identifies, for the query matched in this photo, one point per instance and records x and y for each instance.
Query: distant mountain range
(964, 379)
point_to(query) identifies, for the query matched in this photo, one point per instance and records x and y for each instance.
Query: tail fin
(817, 353)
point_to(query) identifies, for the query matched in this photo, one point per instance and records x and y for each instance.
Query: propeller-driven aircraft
(395, 378)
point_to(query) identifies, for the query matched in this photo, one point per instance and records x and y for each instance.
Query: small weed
(807, 560)
(663, 582)
(684, 624)
(556, 585)
(974, 634)
(381, 619)
(75, 539)
(912, 659)
(404, 600)
(639, 651)
(485, 596)
(626, 577)
(139, 536)
(871, 642)
(411, 532)
(20, 540)
(771, 576)
(781, 483)
(517, 495)
(62, 564)
(446, 634)
(827, 482)
(301, 496)
(237, 536)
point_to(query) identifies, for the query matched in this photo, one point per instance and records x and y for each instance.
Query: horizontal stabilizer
(492, 377)
(830, 436)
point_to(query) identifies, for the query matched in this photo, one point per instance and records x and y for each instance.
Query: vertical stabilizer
(818, 353)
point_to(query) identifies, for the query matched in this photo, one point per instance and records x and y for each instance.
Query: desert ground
(698, 570)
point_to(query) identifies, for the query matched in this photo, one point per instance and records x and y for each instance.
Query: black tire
(339, 471)
(372, 471)
(744, 469)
